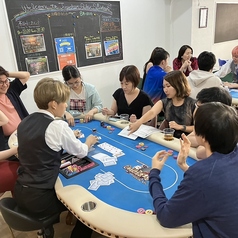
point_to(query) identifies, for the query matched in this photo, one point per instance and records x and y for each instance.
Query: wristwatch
(184, 128)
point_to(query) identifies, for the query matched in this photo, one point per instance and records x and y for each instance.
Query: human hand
(77, 133)
(186, 65)
(134, 127)
(70, 119)
(168, 69)
(133, 118)
(88, 116)
(174, 125)
(183, 152)
(91, 140)
(105, 111)
(159, 159)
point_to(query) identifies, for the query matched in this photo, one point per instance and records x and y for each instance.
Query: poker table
(114, 207)
(234, 95)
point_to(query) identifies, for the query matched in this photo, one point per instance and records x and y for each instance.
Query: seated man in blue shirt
(208, 193)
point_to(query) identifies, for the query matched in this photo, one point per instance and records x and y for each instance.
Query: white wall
(145, 25)
(203, 38)
(180, 25)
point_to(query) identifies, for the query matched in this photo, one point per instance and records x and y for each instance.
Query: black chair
(21, 221)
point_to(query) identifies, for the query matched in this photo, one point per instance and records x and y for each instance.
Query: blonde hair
(48, 90)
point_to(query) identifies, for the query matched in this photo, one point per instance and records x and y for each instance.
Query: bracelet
(184, 128)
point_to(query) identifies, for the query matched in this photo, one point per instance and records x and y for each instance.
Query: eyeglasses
(71, 85)
(5, 82)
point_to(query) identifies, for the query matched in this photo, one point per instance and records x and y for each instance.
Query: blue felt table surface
(126, 192)
(234, 94)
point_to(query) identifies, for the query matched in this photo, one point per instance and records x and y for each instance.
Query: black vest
(39, 164)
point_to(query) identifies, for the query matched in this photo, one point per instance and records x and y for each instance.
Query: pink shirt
(8, 109)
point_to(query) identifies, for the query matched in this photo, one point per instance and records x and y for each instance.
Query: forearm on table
(93, 110)
(7, 153)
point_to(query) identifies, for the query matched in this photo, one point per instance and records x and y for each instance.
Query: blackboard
(226, 28)
(50, 34)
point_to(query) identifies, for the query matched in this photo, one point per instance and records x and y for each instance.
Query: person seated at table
(206, 195)
(148, 65)
(129, 99)
(203, 77)
(8, 169)
(185, 60)
(178, 107)
(10, 102)
(231, 66)
(41, 140)
(83, 96)
(153, 85)
(213, 94)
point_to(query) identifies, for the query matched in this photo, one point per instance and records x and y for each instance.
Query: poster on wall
(93, 50)
(111, 47)
(33, 43)
(37, 65)
(65, 49)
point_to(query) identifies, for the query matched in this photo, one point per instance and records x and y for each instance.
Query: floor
(61, 229)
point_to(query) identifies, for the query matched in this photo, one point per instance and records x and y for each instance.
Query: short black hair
(217, 123)
(206, 61)
(131, 74)
(3, 72)
(159, 55)
(214, 94)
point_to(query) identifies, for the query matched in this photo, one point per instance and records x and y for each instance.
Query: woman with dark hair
(129, 99)
(178, 107)
(185, 62)
(83, 96)
(149, 64)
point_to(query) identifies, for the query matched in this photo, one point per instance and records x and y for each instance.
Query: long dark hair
(182, 50)
(70, 71)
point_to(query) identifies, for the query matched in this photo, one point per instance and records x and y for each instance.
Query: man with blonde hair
(41, 140)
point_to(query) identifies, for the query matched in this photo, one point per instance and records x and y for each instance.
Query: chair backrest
(16, 219)
(221, 62)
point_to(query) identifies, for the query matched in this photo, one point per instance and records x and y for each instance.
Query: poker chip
(81, 120)
(109, 127)
(138, 146)
(141, 144)
(141, 210)
(143, 148)
(148, 212)
(175, 156)
(170, 152)
(94, 130)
